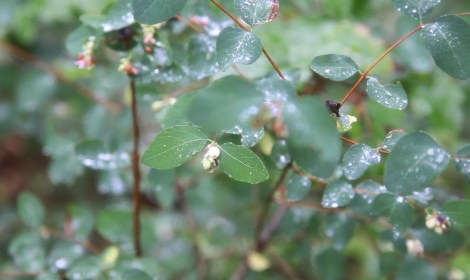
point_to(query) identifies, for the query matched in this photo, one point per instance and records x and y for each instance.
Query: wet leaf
(458, 212)
(366, 192)
(30, 210)
(237, 46)
(297, 187)
(202, 57)
(357, 160)
(280, 154)
(63, 254)
(174, 146)
(396, 208)
(115, 225)
(156, 11)
(462, 160)
(313, 139)
(338, 193)
(242, 164)
(85, 269)
(448, 40)
(414, 163)
(256, 12)
(412, 269)
(334, 67)
(391, 139)
(28, 251)
(119, 16)
(93, 154)
(340, 228)
(390, 96)
(225, 104)
(82, 221)
(415, 8)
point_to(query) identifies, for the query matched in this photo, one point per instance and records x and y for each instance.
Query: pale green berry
(206, 164)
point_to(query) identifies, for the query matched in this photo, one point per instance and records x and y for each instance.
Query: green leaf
(338, 193)
(357, 160)
(202, 58)
(160, 183)
(156, 11)
(458, 212)
(174, 146)
(412, 269)
(366, 192)
(390, 96)
(280, 154)
(256, 12)
(28, 251)
(242, 164)
(177, 114)
(63, 254)
(297, 187)
(128, 273)
(82, 221)
(115, 225)
(396, 208)
(79, 36)
(93, 154)
(415, 8)
(439, 243)
(462, 160)
(334, 67)
(85, 269)
(330, 264)
(448, 40)
(392, 139)
(226, 104)
(119, 16)
(313, 139)
(414, 163)
(237, 46)
(340, 228)
(30, 210)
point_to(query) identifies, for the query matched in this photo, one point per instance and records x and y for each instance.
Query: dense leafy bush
(257, 139)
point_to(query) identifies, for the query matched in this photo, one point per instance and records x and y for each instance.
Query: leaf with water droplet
(237, 46)
(340, 228)
(225, 104)
(391, 139)
(448, 40)
(357, 159)
(28, 251)
(334, 67)
(414, 163)
(390, 96)
(202, 59)
(280, 154)
(30, 210)
(396, 208)
(174, 146)
(458, 212)
(338, 193)
(156, 11)
(85, 268)
(251, 136)
(242, 164)
(256, 12)
(93, 154)
(415, 8)
(297, 187)
(313, 139)
(462, 160)
(366, 191)
(118, 16)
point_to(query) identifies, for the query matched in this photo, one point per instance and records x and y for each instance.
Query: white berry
(213, 152)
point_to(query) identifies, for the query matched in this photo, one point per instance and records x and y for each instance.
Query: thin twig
(463, 14)
(135, 171)
(364, 75)
(15, 274)
(45, 67)
(354, 142)
(241, 25)
(188, 23)
(284, 266)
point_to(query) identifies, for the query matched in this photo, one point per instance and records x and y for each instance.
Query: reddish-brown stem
(188, 23)
(45, 67)
(364, 75)
(354, 142)
(241, 25)
(310, 177)
(135, 172)
(463, 14)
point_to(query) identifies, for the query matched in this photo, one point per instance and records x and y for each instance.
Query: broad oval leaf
(115, 225)
(256, 12)
(340, 228)
(313, 139)
(30, 210)
(390, 96)
(92, 154)
(225, 104)
(415, 8)
(237, 46)
(448, 40)
(366, 192)
(391, 139)
(413, 268)
(202, 58)
(396, 208)
(357, 160)
(297, 187)
(174, 146)
(462, 160)
(28, 251)
(156, 11)
(85, 268)
(458, 212)
(414, 163)
(242, 164)
(118, 16)
(338, 193)
(334, 67)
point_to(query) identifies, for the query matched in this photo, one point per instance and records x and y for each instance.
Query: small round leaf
(334, 67)
(390, 96)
